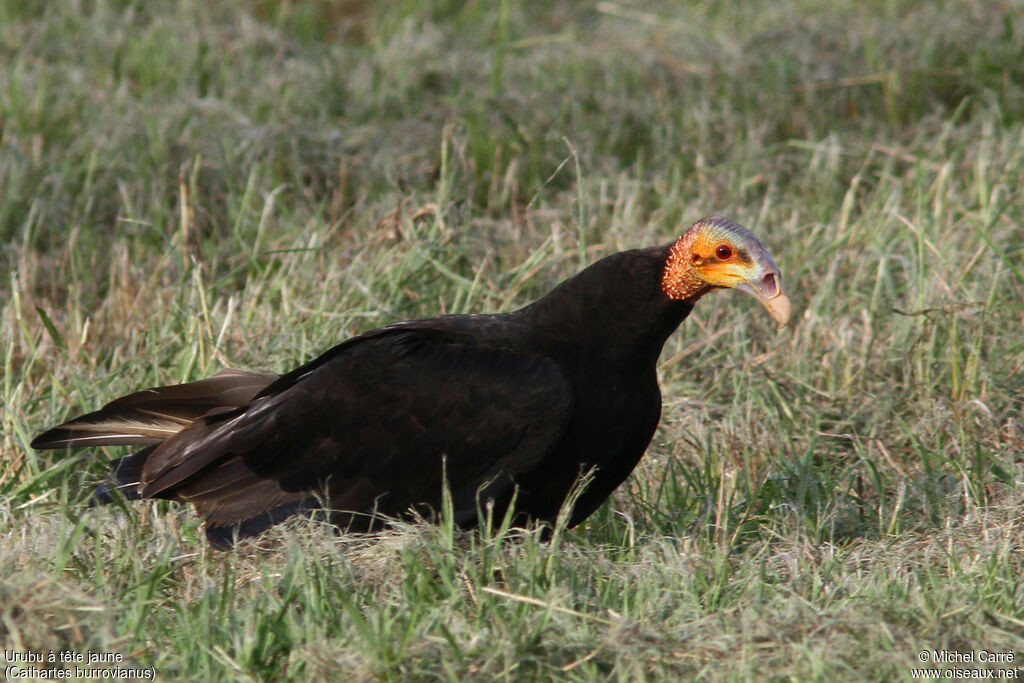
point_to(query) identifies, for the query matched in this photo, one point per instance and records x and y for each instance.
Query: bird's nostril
(770, 286)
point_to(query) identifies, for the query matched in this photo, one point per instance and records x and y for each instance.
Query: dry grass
(185, 186)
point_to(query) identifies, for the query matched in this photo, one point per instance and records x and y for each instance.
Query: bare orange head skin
(718, 253)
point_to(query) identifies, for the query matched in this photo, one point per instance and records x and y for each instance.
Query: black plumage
(508, 405)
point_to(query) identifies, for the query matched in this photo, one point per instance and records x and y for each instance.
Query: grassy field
(193, 185)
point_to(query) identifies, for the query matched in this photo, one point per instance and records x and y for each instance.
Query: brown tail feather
(150, 416)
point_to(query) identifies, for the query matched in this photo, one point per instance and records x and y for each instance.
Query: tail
(148, 417)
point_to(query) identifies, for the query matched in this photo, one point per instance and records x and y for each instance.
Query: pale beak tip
(780, 309)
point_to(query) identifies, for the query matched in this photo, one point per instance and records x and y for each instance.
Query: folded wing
(375, 426)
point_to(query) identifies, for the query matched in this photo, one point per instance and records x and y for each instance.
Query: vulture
(501, 412)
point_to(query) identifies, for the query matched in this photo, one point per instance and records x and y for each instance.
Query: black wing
(374, 425)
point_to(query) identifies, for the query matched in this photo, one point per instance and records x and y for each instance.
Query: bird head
(718, 253)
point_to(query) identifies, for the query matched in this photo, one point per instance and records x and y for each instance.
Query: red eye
(723, 252)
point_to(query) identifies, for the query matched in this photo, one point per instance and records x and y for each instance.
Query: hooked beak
(767, 288)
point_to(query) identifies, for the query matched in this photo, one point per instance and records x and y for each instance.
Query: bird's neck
(616, 307)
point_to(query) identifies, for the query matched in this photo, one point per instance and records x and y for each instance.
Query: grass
(187, 186)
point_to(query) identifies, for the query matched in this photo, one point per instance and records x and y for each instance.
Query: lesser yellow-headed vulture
(510, 406)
